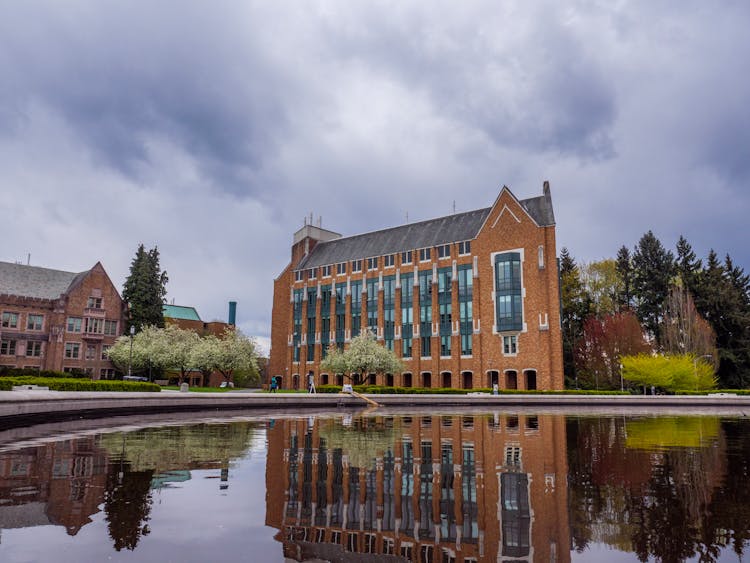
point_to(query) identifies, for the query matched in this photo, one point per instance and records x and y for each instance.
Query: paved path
(45, 405)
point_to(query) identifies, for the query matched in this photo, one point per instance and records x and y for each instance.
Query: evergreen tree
(625, 269)
(575, 309)
(688, 266)
(145, 289)
(722, 298)
(653, 268)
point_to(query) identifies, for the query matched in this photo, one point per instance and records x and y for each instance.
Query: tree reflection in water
(127, 504)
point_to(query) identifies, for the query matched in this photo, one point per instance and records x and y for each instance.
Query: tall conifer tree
(653, 268)
(145, 289)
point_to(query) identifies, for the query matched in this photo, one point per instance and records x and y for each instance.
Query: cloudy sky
(211, 129)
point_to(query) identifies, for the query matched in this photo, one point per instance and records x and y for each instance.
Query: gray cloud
(212, 130)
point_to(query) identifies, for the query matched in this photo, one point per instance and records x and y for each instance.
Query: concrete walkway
(17, 407)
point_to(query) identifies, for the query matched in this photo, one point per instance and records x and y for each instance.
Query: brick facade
(533, 362)
(68, 332)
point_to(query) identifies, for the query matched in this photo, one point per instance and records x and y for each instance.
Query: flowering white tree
(363, 356)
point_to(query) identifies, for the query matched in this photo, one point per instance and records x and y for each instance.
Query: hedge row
(383, 390)
(31, 372)
(75, 384)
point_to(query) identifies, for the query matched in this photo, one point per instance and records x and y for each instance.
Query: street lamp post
(130, 359)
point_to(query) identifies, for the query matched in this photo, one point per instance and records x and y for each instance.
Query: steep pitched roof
(33, 281)
(181, 312)
(433, 232)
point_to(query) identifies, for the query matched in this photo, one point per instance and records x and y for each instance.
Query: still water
(440, 487)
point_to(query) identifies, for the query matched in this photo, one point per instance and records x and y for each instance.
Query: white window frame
(372, 263)
(512, 339)
(407, 257)
(326, 271)
(389, 258)
(425, 254)
(464, 248)
(312, 273)
(444, 251)
(356, 266)
(298, 275)
(341, 269)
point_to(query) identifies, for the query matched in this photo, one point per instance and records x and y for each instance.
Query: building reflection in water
(432, 488)
(66, 483)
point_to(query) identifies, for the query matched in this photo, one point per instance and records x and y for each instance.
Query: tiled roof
(180, 312)
(433, 232)
(33, 281)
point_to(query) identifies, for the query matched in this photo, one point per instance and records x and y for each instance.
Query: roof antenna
(28, 259)
(454, 206)
(407, 217)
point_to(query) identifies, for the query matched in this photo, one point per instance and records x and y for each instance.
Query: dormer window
(424, 254)
(356, 266)
(340, 268)
(444, 251)
(327, 271)
(389, 260)
(464, 248)
(406, 257)
(372, 263)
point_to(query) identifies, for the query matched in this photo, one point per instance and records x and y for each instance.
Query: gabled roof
(181, 312)
(33, 281)
(433, 232)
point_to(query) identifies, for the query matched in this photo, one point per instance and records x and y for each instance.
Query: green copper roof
(179, 312)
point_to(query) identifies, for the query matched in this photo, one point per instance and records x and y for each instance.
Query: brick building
(468, 300)
(55, 320)
(453, 488)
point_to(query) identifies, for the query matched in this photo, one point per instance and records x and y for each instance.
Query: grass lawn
(198, 389)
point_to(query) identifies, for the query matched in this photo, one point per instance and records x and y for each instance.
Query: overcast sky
(211, 129)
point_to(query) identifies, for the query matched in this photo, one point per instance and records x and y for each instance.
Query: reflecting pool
(443, 486)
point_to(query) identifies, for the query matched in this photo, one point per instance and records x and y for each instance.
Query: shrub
(679, 372)
(31, 372)
(77, 384)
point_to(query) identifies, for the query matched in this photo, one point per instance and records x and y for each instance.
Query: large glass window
(372, 304)
(74, 324)
(325, 319)
(407, 314)
(10, 320)
(465, 306)
(508, 307)
(356, 307)
(297, 325)
(389, 303)
(425, 312)
(340, 314)
(312, 302)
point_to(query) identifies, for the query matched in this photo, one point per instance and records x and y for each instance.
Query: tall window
(298, 275)
(297, 325)
(445, 309)
(389, 296)
(110, 328)
(356, 307)
(74, 324)
(340, 315)
(407, 314)
(465, 305)
(425, 312)
(325, 319)
(372, 304)
(508, 307)
(312, 299)
(94, 326)
(34, 322)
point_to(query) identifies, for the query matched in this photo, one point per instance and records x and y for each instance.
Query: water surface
(443, 486)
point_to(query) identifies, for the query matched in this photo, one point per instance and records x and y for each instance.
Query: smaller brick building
(55, 320)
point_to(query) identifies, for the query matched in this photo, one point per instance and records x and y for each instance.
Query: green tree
(234, 352)
(575, 310)
(653, 268)
(363, 356)
(603, 285)
(624, 264)
(680, 372)
(688, 266)
(145, 289)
